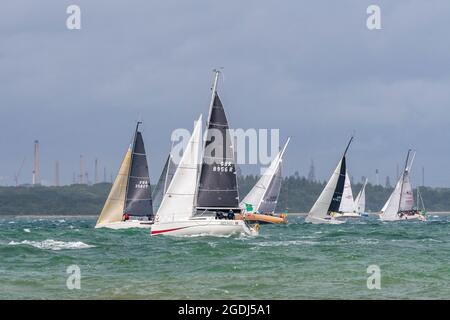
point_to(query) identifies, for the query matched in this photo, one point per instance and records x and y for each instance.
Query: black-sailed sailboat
(330, 199)
(129, 203)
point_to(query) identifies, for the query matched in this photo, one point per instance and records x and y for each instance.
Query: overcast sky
(310, 68)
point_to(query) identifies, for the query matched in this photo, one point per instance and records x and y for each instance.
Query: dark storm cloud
(310, 68)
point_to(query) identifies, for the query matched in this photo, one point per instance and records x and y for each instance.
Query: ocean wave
(51, 244)
(27, 230)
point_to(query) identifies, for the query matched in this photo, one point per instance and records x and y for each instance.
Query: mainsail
(360, 201)
(264, 195)
(347, 202)
(138, 200)
(331, 196)
(217, 186)
(163, 182)
(178, 201)
(115, 203)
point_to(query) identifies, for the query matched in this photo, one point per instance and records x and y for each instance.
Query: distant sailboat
(205, 202)
(129, 203)
(400, 205)
(360, 201)
(163, 182)
(262, 199)
(329, 201)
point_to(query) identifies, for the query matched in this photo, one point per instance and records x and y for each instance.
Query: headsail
(217, 187)
(115, 203)
(402, 198)
(347, 202)
(264, 195)
(163, 182)
(360, 201)
(178, 201)
(138, 198)
(331, 196)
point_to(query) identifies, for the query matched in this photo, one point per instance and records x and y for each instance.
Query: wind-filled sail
(391, 207)
(163, 182)
(178, 201)
(138, 199)
(114, 206)
(330, 198)
(347, 202)
(218, 180)
(264, 195)
(360, 200)
(270, 199)
(407, 201)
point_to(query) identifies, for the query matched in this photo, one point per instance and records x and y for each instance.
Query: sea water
(294, 261)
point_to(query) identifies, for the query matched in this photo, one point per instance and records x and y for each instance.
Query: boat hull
(262, 218)
(331, 220)
(346, 215)
(129, 224)
(417, 216)
(196, 227)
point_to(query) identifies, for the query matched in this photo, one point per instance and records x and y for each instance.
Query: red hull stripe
(167, 230)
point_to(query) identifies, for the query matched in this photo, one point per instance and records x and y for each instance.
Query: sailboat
(163, 182)
(129, 203)
(360, 201)
(202, 198)
(400, 205)
(261, 201)
(329, 201)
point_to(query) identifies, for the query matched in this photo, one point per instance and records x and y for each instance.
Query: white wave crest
(51, 244)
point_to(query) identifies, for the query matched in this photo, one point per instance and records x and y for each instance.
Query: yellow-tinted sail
(114, 205)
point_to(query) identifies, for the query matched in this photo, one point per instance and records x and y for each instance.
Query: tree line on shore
(297, 195)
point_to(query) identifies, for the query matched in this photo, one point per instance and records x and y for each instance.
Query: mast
(403, 177)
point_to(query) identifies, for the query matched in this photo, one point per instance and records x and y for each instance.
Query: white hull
(405, 218)
(126, 225)
(323, 221)
(345, 215)
(203, 226)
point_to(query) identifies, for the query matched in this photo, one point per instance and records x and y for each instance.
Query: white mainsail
(178, 201)
(360, 201)
(321, 206)
(347, 202)
(407, 202)
(115, 203)
(258, 193)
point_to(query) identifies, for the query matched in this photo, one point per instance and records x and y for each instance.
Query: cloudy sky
(310, 68)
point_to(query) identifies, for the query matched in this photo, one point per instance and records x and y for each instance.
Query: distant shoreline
(294, 214)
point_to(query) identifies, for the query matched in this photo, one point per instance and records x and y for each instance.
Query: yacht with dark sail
(129, 203)
(329, 201)
(203, 198)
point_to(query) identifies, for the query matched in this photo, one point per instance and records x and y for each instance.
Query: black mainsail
(217, 185)
(138, 201)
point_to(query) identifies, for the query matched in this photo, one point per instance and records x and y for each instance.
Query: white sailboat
(263, 197)
(329, 201)
(129, 203)
(180, 213)
(400, 205)
(360, 201)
